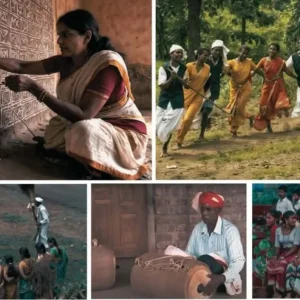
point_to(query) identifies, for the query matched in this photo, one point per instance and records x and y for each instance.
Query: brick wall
(175, 220)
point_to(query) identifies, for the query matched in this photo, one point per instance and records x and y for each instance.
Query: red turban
(211, 199)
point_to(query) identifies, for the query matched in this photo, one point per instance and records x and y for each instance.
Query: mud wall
(26, 32)
(128, 24)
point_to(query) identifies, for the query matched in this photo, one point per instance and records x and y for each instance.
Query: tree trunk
(243, 38)
(194, 9)
(160, 32)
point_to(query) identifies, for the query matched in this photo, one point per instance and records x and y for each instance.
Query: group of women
(34, 278)
(277, 261)
(201, 87)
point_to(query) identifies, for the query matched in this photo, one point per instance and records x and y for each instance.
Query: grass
(10, 218)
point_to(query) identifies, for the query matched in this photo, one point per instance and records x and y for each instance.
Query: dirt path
(67, 208)
(254, 155)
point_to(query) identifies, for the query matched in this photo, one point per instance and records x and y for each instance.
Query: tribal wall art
(26, 32)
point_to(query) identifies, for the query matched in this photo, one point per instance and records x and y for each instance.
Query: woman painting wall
(97, 122)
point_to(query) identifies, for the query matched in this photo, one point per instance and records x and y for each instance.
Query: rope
(206, 99)
(173, 265)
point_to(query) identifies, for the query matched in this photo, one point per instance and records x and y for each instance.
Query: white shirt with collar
(42, 215)
(284, 205)
(224, 241)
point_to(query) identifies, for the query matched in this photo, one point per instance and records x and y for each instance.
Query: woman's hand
(19, 83)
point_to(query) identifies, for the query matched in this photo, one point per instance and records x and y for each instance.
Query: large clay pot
(103, 267)
(176, 277)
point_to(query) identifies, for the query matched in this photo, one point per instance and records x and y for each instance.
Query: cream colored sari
(95, 142)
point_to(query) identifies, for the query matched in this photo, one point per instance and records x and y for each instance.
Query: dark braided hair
(54, 242)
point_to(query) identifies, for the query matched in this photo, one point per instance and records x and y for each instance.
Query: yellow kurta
(192, 100)
(240, 91)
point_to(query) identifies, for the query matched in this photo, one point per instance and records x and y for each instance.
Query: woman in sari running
(239, 70)
(11, 278)
(97, 122)
(26, 266)
(61, 260)
(265, 248)
(273, 94)
(197, 74)
(287, 240)
(44, 274)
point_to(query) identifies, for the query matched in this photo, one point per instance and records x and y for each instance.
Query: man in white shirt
(170, 107)
(42, 222)
(217, 243)
(283, 204)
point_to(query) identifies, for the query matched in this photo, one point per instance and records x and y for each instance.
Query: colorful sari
(263, 251)
(100, 143)
(192, 100)
(61, 267)
(273, 94)
(240, 91)
(26, 289)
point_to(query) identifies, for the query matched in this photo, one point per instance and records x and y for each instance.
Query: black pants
(215, 267)
(206, 111)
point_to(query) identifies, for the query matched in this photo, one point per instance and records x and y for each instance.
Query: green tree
(293, 30)
(250, 11)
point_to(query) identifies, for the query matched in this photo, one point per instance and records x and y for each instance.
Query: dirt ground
(122, 288)
(21, 156)
(254, 155)
(66, 205)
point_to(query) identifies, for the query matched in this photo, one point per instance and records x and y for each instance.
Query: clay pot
(103, 267)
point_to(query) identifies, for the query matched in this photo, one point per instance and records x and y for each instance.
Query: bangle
(42, 100)
(42, 95)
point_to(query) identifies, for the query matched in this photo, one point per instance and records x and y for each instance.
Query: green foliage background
(267, 21)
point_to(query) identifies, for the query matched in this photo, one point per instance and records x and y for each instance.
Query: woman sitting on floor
(97, 122)
(264, 249)
(287, 240)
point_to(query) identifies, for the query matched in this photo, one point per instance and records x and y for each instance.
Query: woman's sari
(44, 277)
(61, 267)
(11, 288)
(99, 142)
(2, 291)
(192, 100)
(240, 91)
(276, 270)
(273, 94)
(26, 289)
(263, 251)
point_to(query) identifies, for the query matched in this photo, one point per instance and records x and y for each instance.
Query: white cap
(175, 47)
(220, 43)
(38, 199)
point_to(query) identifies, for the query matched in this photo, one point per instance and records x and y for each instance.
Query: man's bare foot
(164, 153)
(234, 135)
(179, 146)
(200, 138)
